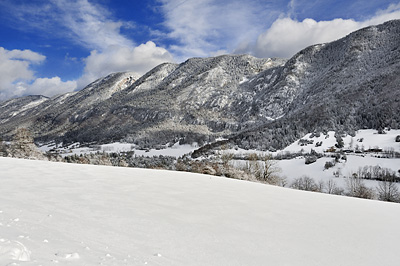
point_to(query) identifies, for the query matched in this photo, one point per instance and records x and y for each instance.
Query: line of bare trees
(386, 190)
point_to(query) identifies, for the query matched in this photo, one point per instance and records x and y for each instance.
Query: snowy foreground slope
(65, 214)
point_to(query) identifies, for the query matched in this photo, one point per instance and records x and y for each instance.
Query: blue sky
(50, 47)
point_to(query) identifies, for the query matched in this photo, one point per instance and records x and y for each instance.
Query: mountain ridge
(344, 85)
(358, 87)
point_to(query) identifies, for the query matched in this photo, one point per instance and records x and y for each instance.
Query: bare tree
(253, 166)
(23, 136)
(305, 183)
(226, 157)
(388, 191)
(23, 146)
(332, 188)
(357, 188)
(265, 169)
(270, 170)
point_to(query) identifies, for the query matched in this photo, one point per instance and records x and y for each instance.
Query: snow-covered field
(66, 214)
(295, 168)
(363, 140)
(175, 150)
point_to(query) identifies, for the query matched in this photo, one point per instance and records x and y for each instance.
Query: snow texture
(63, 214)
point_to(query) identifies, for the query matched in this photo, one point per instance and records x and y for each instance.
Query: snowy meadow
(62, 214)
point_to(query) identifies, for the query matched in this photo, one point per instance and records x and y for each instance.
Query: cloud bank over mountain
(286, 36)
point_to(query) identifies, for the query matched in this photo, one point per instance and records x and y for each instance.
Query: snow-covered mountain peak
(344, 85)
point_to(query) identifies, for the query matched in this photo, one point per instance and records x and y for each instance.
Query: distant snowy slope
(63, 112)
(13, 107)
(54, 213)
(363, 140)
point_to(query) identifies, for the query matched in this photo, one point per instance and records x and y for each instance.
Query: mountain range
(346, 85)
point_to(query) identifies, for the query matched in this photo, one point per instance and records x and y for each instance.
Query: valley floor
(62, 214)
(296, 168)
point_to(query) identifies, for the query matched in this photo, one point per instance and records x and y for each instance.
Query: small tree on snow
(270, 171)
(226, 157)
(332, 188)
(23, 136)
(357, 188)
(264, 168)
(253, 166)
(388, 191)
(306, 183)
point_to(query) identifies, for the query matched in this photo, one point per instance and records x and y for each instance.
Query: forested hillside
(349, 84)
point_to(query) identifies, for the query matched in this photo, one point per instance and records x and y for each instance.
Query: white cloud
(15, 67)
(18, 79)
(91, 24)
(87, 24)
(392, 12)
(48, 87)
(83, 22)
(286, 36)
(138, 59)
(112, 51)
(203, 28)
(23, 55)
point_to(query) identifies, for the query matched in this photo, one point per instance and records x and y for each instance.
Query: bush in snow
(329, 164)
(23, 146)
(305, 142)
(310, 159)
(332, 188)
(264, 169)
(3, 148)
(305, 183)
(388, 191)
(357, 188)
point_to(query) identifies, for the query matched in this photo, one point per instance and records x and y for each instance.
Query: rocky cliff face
(345, 85)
